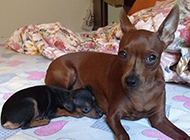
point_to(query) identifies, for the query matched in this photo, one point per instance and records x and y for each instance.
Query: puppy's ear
(168, 27)
(69, 105)
(124, 21)
(87, 87)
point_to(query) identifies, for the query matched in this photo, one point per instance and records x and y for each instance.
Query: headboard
(101, 12)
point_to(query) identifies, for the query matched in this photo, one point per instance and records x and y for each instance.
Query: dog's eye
(86, 109)
(151, 59)
(122, 54)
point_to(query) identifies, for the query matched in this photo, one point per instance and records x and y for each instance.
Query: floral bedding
(53, 40)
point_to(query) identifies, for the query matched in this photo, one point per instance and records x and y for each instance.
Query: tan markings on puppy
(87, 104)
(64, 112)
(35, 108)
(93, 98)
(92, 114)
(39, 122)
(10, 125)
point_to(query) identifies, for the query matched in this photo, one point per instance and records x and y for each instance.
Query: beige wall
(18, 13)
(113, 13)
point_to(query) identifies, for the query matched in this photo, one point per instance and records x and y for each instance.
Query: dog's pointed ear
(69, 105)
(124, 21)
(169, 26)
(88, 87)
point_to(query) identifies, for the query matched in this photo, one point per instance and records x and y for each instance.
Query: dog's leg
(160, 122)
(57, 73)
(64, 112)
(10, 125)
(114, 123)
(39, 121)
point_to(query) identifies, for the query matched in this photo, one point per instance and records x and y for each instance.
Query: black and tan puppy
(35, 106)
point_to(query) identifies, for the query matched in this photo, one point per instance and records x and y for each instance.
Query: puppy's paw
(46, 120)
(38, 118)
(78, 115)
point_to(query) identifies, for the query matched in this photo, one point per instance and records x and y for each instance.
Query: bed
(26, 55)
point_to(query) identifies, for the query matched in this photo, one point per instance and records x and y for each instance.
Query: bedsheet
(18, 71)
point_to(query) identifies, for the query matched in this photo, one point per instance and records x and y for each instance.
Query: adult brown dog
(129, 85)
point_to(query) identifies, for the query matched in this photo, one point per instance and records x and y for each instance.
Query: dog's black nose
(100, 113)
(132, 81)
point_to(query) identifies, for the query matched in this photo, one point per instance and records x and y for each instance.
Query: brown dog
(129, 85)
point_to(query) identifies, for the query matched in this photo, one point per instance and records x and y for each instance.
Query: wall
(113, 13)
(18, 13)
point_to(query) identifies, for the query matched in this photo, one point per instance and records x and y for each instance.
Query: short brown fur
(129, 85)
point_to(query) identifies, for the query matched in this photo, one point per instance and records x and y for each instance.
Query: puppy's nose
(132, 81)
(100, 113)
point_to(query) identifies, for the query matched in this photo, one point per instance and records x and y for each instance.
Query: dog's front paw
(38, 118)
(123, 137)
(25, 126)
(78, 115)
(187, 138)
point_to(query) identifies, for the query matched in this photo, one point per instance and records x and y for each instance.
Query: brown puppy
(129, 85)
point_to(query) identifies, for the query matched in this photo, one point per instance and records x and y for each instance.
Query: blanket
(53, 40)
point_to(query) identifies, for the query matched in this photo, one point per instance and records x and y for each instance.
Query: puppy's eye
(86, 109)
(151, 59)
(122, 54)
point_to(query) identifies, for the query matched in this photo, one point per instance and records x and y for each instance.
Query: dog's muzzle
(132, 81)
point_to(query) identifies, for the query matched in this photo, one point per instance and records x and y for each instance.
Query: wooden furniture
(101, 12)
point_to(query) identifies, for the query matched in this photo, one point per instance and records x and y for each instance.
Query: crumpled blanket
(53, 40)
